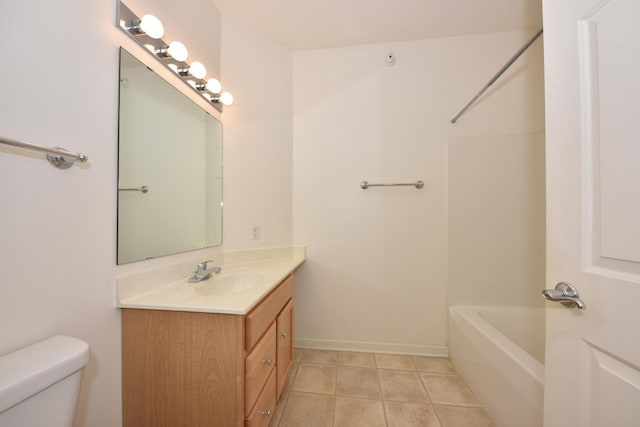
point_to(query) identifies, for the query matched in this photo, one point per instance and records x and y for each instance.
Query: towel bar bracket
(58, 157)
(60, 161)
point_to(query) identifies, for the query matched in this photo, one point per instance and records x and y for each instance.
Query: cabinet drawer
(258, 365)
(263, 412)
(260, 318)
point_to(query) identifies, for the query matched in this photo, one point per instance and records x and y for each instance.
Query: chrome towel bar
(418, 184)
(143, 189)
(57, 157)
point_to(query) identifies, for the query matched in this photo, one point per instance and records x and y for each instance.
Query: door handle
(565, 294)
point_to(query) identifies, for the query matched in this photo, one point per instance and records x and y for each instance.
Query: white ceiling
(313, 24)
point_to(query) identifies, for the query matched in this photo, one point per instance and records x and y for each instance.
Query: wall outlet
(255, 232)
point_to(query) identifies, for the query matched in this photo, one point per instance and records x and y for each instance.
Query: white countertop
(166, 288)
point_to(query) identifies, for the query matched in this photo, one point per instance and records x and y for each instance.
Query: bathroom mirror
(169, 168)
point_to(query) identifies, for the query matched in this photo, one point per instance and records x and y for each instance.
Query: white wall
(376, 274)
(257, 140)
(58, 228)
(497, 221)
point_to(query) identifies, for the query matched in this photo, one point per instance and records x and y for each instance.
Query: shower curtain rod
(499, 73)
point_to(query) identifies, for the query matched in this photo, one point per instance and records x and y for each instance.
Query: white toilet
(39, 384)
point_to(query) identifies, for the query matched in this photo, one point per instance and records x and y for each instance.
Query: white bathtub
(499, 352)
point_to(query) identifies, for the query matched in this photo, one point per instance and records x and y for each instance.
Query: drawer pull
(283, 335)
(267, 412)
(268, 362)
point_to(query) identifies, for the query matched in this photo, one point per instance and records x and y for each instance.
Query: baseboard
(373, 347)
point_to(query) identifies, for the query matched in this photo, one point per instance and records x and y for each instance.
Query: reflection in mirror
(169, 168)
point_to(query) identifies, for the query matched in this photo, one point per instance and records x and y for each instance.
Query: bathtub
(499, 351)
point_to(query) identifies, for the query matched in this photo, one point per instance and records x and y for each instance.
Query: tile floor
(335, 389)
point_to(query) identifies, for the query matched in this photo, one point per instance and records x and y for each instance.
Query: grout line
(415, 368)
(335, 391)
(317, 364)
(384, 408)
(441, 374)
(459, 406)
(435, 411)
(426, 390)
(397, 370)
(301, 353)
(288, 392)
(333, 418)
(284, 408)
(313, 393)
(360, 398)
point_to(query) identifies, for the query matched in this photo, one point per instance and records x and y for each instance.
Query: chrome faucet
(202, 273)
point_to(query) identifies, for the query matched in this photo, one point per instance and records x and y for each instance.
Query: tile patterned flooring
(335, 389)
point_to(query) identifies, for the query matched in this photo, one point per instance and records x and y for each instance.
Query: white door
(592, 78)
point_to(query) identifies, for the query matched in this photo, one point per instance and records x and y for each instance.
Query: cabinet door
(284, 360)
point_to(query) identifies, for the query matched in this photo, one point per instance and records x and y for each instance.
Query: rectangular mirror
(169, 168)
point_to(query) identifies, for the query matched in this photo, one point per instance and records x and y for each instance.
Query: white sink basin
(231, 283)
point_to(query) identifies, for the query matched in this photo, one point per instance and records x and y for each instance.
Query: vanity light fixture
(148, 31)
(178, 51)
(213, 86)
(225, 98)
(149, 25)
(197, 70)
(175, 50)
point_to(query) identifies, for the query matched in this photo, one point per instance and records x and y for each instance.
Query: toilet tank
(39, 384)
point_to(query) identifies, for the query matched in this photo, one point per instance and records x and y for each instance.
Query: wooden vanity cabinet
(195, 369)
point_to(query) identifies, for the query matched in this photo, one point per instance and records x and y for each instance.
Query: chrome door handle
(565, 294)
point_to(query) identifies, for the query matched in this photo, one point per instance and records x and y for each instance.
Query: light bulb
(214, 86)
(178, 51)
(197, 70)
(150, 47)
(152, 26)
(226, 98)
